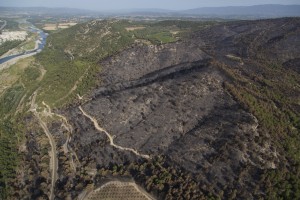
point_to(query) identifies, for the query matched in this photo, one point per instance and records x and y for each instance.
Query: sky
(132, 4)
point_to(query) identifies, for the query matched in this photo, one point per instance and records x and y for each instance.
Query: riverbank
(10, 58)
(17, 50)
(13, 61)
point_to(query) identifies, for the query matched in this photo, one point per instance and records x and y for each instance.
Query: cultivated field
(53, 27)
(50, 27)
(116, 190)
(134, 28)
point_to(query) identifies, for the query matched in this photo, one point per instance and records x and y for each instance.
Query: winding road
(54, 160)
(110, 137)
(69, 128)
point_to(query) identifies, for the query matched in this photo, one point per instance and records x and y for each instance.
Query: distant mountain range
(257, 11)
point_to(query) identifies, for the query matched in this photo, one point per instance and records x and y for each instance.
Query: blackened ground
(169, 100)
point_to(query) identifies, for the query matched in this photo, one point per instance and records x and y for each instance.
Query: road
(69, 128)
(54, 160)
(111, 137)
(3, 26)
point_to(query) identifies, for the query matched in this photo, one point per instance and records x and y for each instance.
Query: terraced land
(118, 191)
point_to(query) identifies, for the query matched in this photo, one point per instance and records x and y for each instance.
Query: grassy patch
(71, 60)
(163, 37)
(29, 45)
(12, 25)
(8, 45)
(156, 35)
(11, 75)
(10, 99)
(168, 31)
(57, 83)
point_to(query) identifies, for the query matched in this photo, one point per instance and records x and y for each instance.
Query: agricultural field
(116, 190)
(50, 27)
(56, 26)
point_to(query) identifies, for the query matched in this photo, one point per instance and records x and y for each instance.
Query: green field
(8, 45)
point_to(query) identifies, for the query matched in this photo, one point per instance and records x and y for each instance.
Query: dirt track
(111, 137)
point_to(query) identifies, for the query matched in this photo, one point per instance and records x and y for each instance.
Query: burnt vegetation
(216, 107)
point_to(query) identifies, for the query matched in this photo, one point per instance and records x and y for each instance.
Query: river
(41, 45)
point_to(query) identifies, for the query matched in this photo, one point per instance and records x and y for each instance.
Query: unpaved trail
(69, 128)
(20, 105)
(66, 151)
(64, 119)
(70, 54)
(43, 72)
(111, 137)
(75, 85)
(54, 160)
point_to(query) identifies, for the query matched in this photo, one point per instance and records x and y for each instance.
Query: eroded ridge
(111, 137)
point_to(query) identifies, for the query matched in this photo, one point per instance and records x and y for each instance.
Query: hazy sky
(126, 4)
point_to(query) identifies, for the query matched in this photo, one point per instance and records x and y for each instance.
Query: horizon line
(144, 8)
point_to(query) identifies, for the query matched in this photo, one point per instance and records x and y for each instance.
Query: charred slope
(215, 107)
(275, 40)
(217, 113)
(169, 100)
(261, 59)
